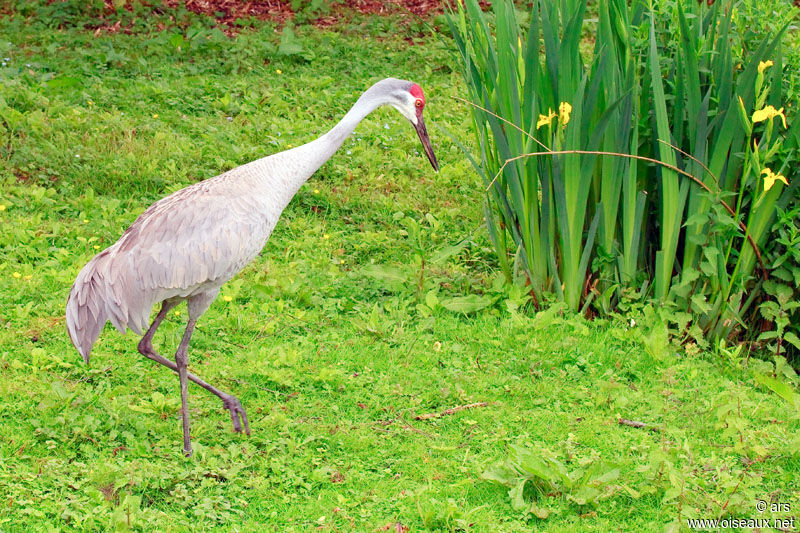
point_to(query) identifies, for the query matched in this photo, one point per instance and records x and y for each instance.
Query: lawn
(336, 338)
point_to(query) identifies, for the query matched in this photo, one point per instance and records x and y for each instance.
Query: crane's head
(410, 101)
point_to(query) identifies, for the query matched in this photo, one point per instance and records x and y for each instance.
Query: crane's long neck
(336, 136)
(290, 169)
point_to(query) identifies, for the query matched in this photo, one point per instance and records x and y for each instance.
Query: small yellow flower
(546, 120)
(767, 113)
(2, 207)
(771, 177)
(288, 146)
(96, 246)
(155, 115)
(278, 71)
(564, 109)
(326, 236)
(341, 261)
(227, 298)
(28, 277)
(16, 275)
(177, 313)
(85, 220)
(316, 191)
(764, 65)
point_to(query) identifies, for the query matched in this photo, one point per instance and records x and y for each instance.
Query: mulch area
(227, 12)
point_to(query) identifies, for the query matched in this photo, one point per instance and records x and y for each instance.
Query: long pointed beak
(426, 142)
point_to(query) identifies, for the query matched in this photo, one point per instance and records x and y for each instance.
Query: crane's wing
(203, 234)
(194, 236)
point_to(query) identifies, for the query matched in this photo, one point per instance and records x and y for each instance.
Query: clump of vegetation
(652, 167)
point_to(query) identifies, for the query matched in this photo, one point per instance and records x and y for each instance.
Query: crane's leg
(182, 362)
(230, 402)
(197, 305)
(146, 344)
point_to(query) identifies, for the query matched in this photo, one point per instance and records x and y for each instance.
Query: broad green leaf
(63, 82)
(448, 251)
(780, 388)
(502, 474)
(466, 304)
(289, 44)
(538, 512)
(385, 272)
(516, 495)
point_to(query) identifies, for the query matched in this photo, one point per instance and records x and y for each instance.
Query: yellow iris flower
(546, 120)
(763, 65)
(564, 109)
(771, 178)
(769, 112)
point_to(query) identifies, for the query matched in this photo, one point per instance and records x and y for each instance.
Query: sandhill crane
(188, 244)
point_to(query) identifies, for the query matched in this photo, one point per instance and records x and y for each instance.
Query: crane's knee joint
(182, 359)
(145, 347)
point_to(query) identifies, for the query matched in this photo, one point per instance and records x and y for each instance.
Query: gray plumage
(188, 244)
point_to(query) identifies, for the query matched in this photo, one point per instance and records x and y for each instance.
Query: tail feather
(94, 300)
(86, 314)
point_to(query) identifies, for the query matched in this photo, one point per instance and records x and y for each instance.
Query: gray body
(188, 244)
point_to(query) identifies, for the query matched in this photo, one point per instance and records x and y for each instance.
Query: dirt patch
(227, 12)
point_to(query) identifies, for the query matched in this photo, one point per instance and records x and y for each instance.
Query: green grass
(325, 340)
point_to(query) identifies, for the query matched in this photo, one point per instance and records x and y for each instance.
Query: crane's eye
(418, 103)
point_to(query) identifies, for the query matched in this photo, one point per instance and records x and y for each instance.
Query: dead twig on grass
(404, 425)
(636, 424)
(450, 411)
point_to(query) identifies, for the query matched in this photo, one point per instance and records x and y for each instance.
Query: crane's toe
(237, 411)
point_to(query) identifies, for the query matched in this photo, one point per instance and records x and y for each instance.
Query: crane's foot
(237, 411)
